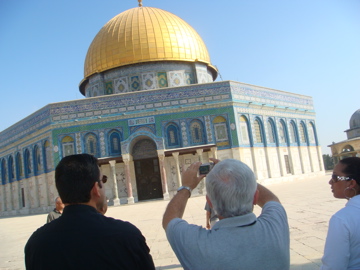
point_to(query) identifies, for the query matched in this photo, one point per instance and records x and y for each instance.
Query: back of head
(75, 176)
(231, 186)
(352, 168)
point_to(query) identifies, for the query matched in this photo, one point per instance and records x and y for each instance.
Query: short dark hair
(75, 176)
(352, 168)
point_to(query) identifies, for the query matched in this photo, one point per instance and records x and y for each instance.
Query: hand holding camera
(190, 176)
(205, 168)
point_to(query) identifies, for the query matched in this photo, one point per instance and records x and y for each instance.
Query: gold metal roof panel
(144, 34)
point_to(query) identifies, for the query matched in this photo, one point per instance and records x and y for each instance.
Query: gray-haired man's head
(231, 186)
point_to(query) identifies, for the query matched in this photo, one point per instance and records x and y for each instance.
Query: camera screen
(204, 169)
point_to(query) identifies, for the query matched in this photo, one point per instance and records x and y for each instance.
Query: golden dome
(144, 34)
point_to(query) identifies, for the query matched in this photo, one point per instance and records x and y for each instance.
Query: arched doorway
(147, 170)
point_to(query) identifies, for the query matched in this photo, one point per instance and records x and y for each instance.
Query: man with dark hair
(56, 213)
(83, 238)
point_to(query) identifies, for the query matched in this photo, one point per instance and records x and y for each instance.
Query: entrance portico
(142, 174)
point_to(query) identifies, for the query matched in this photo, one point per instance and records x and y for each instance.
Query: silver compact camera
(205, 168)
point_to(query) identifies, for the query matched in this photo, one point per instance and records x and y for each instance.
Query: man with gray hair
(56, 213)
(239, 240)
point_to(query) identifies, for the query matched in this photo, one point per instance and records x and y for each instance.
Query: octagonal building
(151, 107)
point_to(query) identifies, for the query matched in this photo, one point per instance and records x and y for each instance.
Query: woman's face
(338, 187)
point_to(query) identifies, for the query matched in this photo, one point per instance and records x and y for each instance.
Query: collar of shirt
(74, 208)
(239, 221)
(354, 201)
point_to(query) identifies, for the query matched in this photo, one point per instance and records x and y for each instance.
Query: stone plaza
(309, 204)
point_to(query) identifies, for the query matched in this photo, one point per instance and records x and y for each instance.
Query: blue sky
(308, 47)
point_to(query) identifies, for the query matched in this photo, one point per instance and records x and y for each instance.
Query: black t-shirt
(84, 239)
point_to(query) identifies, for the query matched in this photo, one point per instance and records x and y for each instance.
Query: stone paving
(309, 204)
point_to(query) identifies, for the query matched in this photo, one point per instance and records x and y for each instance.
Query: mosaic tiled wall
(212, 93)
(28, 125)
(121, 85)
(261, 95)
(147, 76)
(153, 100)
(202, 73)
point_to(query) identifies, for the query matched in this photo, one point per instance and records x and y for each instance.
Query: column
(3, 198)
(37, 191)
(176, 157)
(45, 179)
(199, 153)
(18, 200)
(320, 159)
(47, 190)
(282, 169)
(310, 158)
(16, 184)
(126, 159)
(254, 165)
(291, 161)
(201, 186)
(26, 187)
(116, 199)
(213, 153)
(268, 167)
(301, 160)
(10, 199)
(163, 175)
(15, 191)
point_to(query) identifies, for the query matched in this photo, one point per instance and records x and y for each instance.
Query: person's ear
(256, 197)
(352, 184)
(96, 190)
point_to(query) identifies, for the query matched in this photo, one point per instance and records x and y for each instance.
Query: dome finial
(140, 3)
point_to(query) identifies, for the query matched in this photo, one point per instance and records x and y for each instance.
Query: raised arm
(265, 195)
(176, 206)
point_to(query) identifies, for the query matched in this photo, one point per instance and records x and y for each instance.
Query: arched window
(48, 155)
(197, 132)
(311, 133)
(3, 172)
(37, 159)
(68, 147)
(91, 144)
(28, 167)
(271, 131)
(258, 132)
(19, 167)
(302, 133)
(292, 132)
(172, 135)
(115, 146)
(282, 133)
(244, 130)
(11, 169)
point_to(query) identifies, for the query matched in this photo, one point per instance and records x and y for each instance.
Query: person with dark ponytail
(342, 247)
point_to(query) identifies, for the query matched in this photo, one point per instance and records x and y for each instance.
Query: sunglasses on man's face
(335, 178)
(104, 179)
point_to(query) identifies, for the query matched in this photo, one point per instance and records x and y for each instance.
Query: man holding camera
(239, 240)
